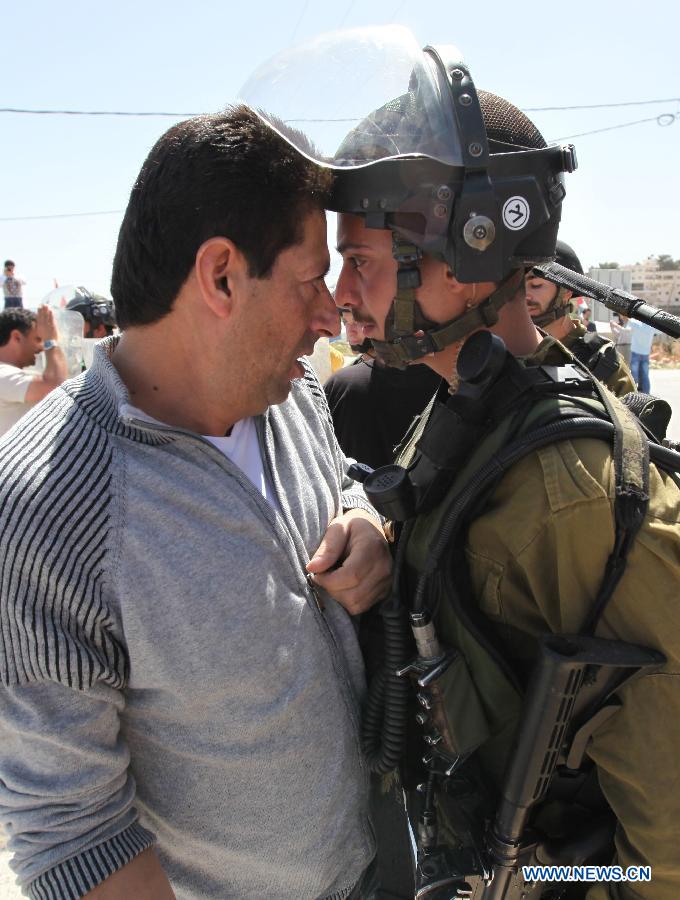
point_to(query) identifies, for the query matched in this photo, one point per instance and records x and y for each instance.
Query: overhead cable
(397, 11)
(104, 112)
(105, 212)
(664, 120)
(599, 105)
(347, 12)
(92, 112)
(299, 21)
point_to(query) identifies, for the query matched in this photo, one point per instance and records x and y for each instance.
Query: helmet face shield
(414, 147)
(358, 96)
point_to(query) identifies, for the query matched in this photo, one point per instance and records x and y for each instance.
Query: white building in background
(645, 280)
(657, 286)
(617, 278)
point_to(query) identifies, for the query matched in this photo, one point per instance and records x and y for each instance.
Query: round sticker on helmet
(515, 213)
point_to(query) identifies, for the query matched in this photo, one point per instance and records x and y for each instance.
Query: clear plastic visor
(349, 98)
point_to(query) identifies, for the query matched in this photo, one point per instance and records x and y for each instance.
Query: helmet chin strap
(366, 346)
(558, 307)
(409, 335)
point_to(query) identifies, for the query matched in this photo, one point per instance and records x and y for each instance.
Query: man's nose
(327, 318)
(345, 295)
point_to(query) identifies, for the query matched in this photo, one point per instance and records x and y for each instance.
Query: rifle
(617, 300)
(570, 693)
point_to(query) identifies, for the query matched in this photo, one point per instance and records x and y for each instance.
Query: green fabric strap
(484, 315)
(405, 347)
(407, 256)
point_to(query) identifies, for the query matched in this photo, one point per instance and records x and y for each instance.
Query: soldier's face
(539, 294)
(368, 280)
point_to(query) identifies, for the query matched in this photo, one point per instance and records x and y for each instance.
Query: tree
(608, 265)
(667, 263)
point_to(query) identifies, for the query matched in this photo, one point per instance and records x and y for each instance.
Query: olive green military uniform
(620, 381)
(536, 556)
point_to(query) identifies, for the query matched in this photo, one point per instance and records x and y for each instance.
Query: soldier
(98, 312)
(552, 307)
(522, 521)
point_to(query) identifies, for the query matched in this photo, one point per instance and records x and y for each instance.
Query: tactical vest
(481, 691)
(485, 696)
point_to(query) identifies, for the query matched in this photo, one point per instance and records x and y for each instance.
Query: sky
(136, 55)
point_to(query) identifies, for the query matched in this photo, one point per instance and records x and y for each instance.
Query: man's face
(29, 345)
(354, 331)
(284, 315)
(94, 331)
(539, 294)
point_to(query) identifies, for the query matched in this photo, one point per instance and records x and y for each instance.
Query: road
(664, 383)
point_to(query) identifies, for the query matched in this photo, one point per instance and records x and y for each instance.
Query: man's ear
(219, 266)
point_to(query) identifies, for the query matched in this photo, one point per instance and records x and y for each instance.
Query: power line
(347, 12)
(105, 212)
(599, 105)
(92, 112)
(668, 117)
(299, 21)
(105, 112)
(396, 12)
(663, 120)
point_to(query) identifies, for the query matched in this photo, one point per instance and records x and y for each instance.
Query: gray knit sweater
(166, 674)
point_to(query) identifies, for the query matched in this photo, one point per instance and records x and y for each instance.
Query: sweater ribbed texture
(146, 586)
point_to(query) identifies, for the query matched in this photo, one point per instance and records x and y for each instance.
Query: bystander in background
(23, 334)
(12, 286)
(622, 334)
(641, 347)
(372, 405)
(587, 320)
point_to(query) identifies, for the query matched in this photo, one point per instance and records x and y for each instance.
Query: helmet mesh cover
(507, 127)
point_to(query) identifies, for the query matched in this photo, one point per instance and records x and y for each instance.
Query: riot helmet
(562, 303)
(95, 309)
(414, 147)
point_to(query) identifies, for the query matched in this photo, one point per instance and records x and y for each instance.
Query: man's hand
(45, 326)
(356, 542)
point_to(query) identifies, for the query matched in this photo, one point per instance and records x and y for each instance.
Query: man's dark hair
(15, 319)
(9, 262)
(227, 175)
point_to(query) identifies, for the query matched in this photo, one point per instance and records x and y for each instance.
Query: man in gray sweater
(180, 550)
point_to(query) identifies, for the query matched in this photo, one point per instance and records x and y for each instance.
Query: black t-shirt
(373, 406)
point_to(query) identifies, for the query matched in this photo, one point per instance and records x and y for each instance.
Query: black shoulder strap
(598, 355)
(630, 453)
